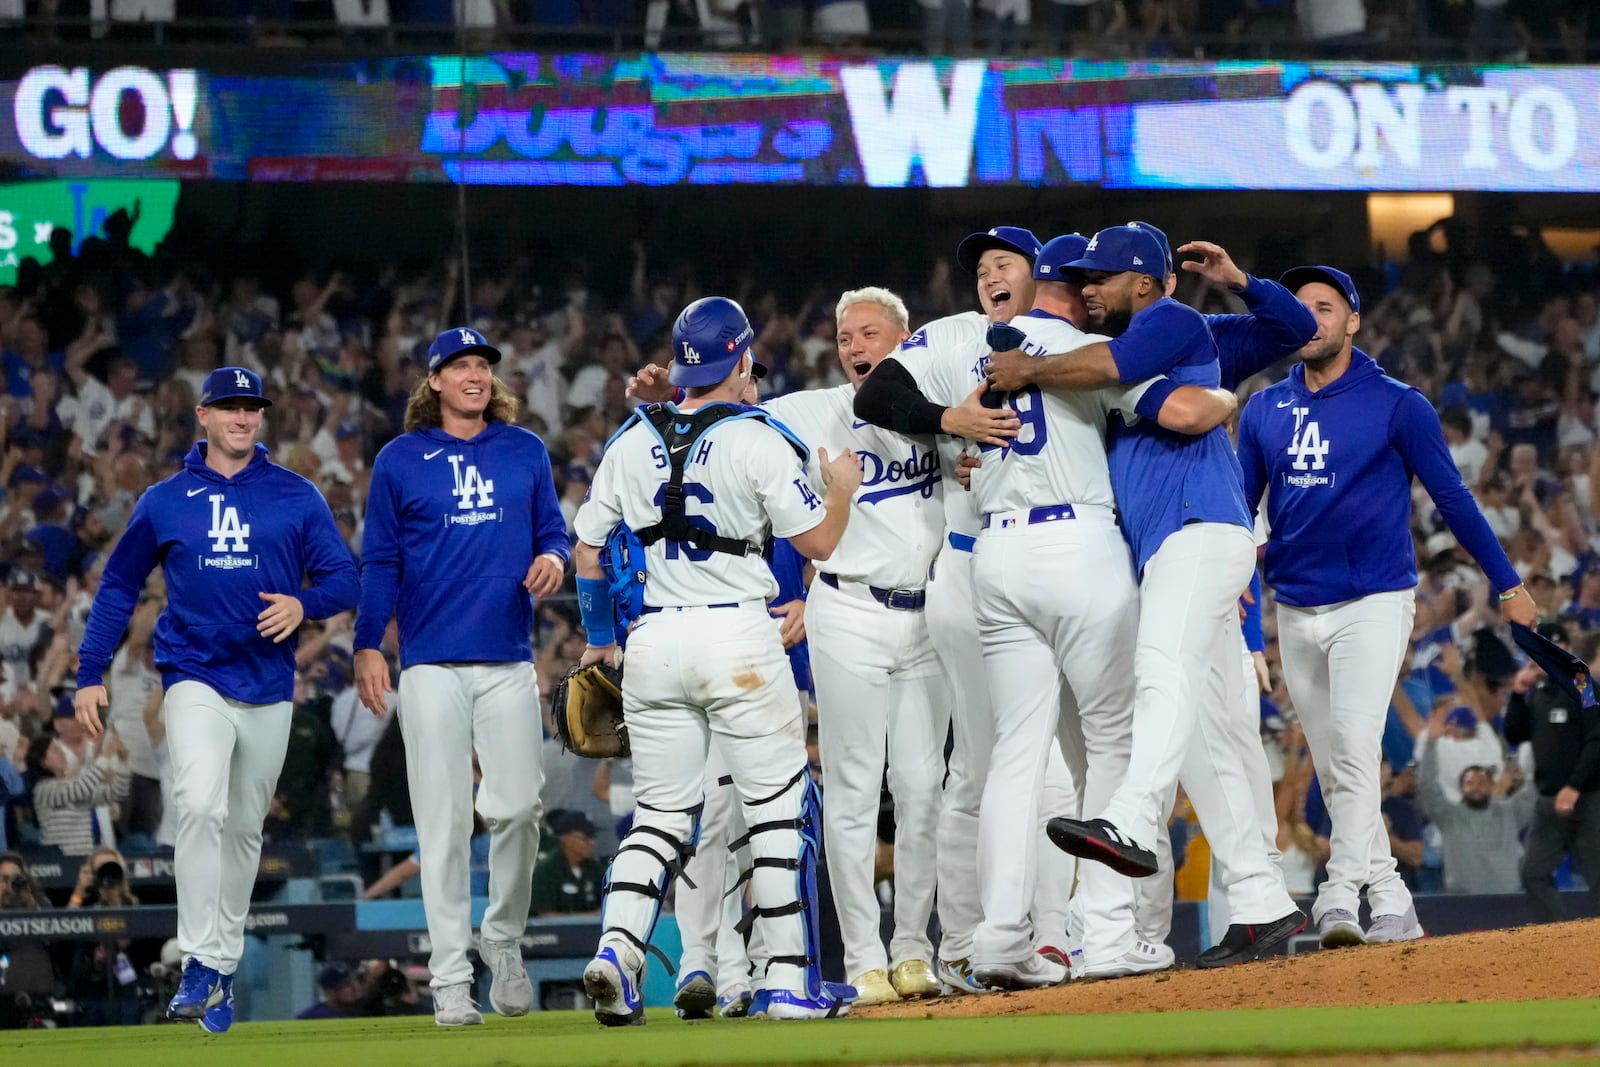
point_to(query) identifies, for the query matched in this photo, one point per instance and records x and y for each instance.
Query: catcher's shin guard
(785, 840)
(636, 883)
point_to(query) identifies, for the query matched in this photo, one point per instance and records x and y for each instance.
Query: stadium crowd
(104, 350)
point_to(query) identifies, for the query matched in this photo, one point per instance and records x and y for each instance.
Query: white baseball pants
(447, 712)
(705, 911)
(1055, 601)
(1340, 662)
(880, 691)
(953, 628)
(226, 758)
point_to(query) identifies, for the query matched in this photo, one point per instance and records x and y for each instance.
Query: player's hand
(1010, 370)
(372, 680)
(985, 425)
(86, 708)
(610, 654)
(650, 385)
(964, 468)
(843, 470)
(1215, 265)
(282, 616)
(792, 627)
(1263, 675)
(1566, 800)
(1521, 608)
(544, 577)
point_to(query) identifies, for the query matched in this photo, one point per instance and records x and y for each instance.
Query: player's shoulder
(519, 437)
(952, 329)
(401, 449)
(284, 480)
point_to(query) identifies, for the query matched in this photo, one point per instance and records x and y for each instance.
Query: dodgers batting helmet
(708, 340)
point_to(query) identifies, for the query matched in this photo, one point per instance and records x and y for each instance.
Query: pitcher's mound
(1556, 961)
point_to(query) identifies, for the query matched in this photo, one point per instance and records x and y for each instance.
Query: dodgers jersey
(742, 477)
(938, 356)
(1059, 457)
(1339, 463)
(897, 517)
(1163, 479)
(452, 528)
(220, 542)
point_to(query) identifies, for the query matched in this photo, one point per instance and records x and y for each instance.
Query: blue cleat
(696, 996)
(201, 990)
(834, 1003)
(734, 1005)
(615, 992)
(219, 1017)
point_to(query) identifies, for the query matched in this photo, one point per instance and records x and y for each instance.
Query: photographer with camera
(26, 976)
(102, 977)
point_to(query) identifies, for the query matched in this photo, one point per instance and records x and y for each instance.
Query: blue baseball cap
(1056, 254)
(225, 383)
(1014, 238)
(458, 341)
(1166, 245)
(709, 338)
(1117, 249)
(1295, 277)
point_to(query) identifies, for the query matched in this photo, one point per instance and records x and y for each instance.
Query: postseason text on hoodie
(221, 542)
(452, 527)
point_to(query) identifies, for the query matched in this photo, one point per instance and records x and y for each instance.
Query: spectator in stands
(341, 994)
(568, 880)
(77, 783)
(1480, 830)
(132, 683)
(22, 627)
(13, 786)
(19, 889)
(102, 976)
(1464, 742)
(1403, 821)
(1566, 773)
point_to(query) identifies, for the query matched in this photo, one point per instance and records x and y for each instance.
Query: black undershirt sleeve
(889, 398)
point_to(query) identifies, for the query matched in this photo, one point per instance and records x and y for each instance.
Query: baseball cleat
(1032, 972)
(1250, 941)
(1142, 958)
(511, 992)
(913, 979)
(617, 1001)
(834, 1003)
(219, 1017)
(872, 987)
(735, 1005)
(956, 975)
(200, 990)
(1389, 928)
(696, 996)
(453, 1006)
(1339, 928)
(1099, 840)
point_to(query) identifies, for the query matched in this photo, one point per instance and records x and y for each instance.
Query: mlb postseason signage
(31, 211)
(582, 119)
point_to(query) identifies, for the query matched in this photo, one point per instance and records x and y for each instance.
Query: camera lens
(19, 882)
(108, 874)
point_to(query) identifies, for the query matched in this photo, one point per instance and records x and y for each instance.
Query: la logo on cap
(467, 338)
(1093, 241)
(241, 380)
(689, 354)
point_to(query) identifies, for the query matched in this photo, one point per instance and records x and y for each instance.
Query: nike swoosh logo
(192, 492)
(430, 455)
(859, 425)
(1285, 403)
(680, 448)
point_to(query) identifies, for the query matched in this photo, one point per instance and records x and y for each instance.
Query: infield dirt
(1552, 962)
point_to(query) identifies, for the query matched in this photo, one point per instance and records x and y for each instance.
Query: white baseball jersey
(937, 357)
(898, 516)
(742, 473)
(1059, 455)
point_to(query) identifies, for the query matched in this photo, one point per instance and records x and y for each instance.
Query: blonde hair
(422, 410)
(873, 294)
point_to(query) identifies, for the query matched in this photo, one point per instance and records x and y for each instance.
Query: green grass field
(572, 1039)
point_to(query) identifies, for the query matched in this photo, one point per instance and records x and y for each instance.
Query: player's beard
(1323, 355)
(1113, 321)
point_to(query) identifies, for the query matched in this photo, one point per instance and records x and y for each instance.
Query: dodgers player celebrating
(233, 531)
(462, 525)
(1337, 443)
(1183, 514)
(707, 659)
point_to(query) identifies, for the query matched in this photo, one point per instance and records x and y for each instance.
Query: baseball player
(237, 537)
(1183, 515)
(462, 525)
(702, 486)
(1030, 641)
(1338, 443)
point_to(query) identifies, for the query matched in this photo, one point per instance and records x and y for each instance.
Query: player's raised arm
(889, 397)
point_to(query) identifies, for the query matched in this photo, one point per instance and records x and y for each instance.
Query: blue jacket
(452, 528)
(1339, 464)
(220, 542)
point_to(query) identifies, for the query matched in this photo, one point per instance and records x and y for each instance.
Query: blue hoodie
(452, 528)
(220, 542)
(1339, 462)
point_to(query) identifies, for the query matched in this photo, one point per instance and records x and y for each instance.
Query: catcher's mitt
(587, 708)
